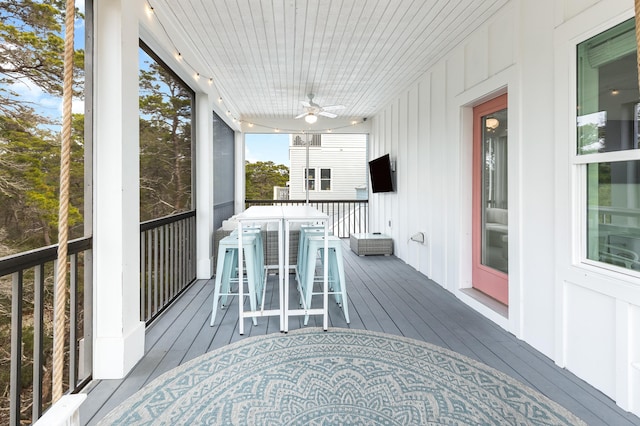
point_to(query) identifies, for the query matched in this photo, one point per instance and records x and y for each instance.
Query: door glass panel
(495, 242)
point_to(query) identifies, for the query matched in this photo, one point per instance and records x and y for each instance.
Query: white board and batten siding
(585, 318)
(344, 154)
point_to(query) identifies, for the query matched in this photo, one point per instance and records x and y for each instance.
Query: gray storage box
(366, 244)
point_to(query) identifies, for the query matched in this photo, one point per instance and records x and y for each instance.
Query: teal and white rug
(337, 377)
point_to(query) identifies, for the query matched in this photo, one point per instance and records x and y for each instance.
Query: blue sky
(44, 103)
(267, 147)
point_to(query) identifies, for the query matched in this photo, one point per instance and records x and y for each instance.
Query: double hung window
(325, 179)
(310, 178)
(607, 154)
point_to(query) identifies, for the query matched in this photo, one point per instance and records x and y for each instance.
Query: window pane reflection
(495, 191)
(613, 213)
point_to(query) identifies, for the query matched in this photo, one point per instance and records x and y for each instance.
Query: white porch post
(119, 333)
(240, 176)
(204, 186)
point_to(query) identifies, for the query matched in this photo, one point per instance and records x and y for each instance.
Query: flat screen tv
(381, 177)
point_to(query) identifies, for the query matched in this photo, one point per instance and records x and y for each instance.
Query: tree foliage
(32, 47)
(261, 177)
(165, 143)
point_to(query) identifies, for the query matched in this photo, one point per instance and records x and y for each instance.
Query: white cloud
(26, 88)
(31, 94)
(42, 102)
(248, 156)
(77, 106)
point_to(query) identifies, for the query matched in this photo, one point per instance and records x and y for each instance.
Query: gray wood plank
(384, 294)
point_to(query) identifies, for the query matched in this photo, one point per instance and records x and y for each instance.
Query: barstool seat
(227, 267)
(337, 284)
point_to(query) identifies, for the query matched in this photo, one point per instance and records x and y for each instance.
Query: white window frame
(330, 180)
(314, 180)
(579, 164)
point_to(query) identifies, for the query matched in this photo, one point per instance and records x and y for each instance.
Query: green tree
(261, 177)
(588, 138)
(31, 47)
(165, 144)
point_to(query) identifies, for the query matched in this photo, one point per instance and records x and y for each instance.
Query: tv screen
(381, 178)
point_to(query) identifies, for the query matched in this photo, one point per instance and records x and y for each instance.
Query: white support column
(204, 185)
(119, 334)
(240, 176)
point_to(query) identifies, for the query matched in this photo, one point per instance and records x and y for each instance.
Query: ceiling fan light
(311, 118)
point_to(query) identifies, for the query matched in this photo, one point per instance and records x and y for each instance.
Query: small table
(371, 243)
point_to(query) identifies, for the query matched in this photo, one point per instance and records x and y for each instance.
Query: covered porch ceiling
(265, 56)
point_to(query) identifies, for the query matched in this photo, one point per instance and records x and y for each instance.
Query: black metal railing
(345, 216)
(167, 265)
(167, 261)
(26, 319)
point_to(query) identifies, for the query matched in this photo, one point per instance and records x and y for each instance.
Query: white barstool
(337, 284)
(305, 232)
(226, 271)
(256, 230)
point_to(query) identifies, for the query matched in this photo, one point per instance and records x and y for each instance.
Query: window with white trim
(607, 154)
(310, 178)
(325, 179)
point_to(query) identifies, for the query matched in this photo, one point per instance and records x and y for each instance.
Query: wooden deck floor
(385, 295)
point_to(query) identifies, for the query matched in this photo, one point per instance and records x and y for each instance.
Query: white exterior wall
(584, 318)
(344, 154)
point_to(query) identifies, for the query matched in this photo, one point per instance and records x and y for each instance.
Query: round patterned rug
(341, 376)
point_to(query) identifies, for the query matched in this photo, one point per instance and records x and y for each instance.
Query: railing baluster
(73, 321)
(185, 235)
(160, 271)
(38, 326)
(180, 254)
(169, 252)
(173, 259)
(183, 254)
(16, 348)
(150, 310)
(178, 226)
(143, 272)
(155, 270)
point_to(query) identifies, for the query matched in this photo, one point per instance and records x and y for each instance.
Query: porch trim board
(115, 356)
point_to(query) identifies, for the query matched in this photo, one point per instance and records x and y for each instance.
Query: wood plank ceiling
(266, 55)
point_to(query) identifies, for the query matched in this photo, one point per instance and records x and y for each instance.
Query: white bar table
(261, 214)
(284, 215)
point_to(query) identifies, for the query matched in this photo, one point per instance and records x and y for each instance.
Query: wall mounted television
(381, 176)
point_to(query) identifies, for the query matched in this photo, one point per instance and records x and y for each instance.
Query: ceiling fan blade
(305, 104)
(333, 107)
(327, 114)
(301, 115)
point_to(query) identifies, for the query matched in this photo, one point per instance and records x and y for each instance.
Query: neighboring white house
(337, 166)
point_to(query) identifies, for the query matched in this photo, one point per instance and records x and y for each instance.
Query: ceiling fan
(313, 110)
